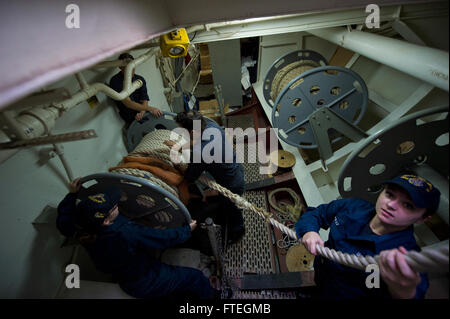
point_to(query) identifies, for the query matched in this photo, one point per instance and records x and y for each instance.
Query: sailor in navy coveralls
(225, 169)
(361, 228)
(123, 248)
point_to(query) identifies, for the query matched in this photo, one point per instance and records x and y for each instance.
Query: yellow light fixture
(174, 44)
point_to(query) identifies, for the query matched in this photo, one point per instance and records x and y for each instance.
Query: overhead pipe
(147, 45)
(128, 86)
(81, 80)
(59, 151)
(244, 22)
(109, 64)
(40, 120)
(427, 64)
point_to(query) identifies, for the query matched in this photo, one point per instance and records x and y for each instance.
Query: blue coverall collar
(381, 241)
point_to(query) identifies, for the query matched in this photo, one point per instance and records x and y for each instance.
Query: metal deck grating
(251, 170)
(253, 253)
(264, 294)
(243, 121)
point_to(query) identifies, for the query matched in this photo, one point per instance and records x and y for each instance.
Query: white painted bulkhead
(31, 260)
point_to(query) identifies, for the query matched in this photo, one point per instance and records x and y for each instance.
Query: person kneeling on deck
(122, 248)
(361, 228)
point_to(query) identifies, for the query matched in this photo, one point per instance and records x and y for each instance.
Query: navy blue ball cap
(422, 192)
(93, 209)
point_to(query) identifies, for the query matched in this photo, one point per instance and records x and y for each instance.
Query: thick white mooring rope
(427, 260)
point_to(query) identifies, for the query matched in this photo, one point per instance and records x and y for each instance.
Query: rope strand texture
(428, 260)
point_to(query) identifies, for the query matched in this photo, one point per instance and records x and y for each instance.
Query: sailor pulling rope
(428, 260)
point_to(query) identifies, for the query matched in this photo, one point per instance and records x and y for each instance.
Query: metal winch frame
(150, 205)
(416, 143)
(319, 106)
(149, 123)
(316, 107)
(142, 201)
(288, 63)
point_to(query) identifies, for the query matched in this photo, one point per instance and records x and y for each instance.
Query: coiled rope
(289, 72)
(287, 214)
(427, 260)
